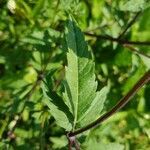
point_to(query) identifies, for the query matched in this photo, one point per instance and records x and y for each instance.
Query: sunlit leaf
(80, 85)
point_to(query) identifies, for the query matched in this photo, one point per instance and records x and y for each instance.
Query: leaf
(123, 62)
(39, 5)
(135, 76)
(67, 4)
(134, 5)
(80, 96)
(57, 107)
(80, 85)
(94, 145)
(59, 142)
(96, 107)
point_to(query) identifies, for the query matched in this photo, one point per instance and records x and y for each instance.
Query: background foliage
(31, 45)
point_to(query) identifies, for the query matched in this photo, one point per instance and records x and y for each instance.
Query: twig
(120, 41)
(131, 48)
(72, 142)
(98, 27)
(129, 24)
(144, 79)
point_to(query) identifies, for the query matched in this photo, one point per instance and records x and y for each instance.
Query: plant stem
(120, 41)
(144, 79)
(129, 24)
(72, 141)
(131, 48)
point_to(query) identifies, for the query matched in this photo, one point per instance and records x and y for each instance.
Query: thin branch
(131, 48)
(98, 27)
(144, 79)
(129, 24)
(119, 41)
(72, 142)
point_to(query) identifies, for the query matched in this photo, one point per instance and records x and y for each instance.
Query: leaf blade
(80, 87)
(96, 106)
(57, 107)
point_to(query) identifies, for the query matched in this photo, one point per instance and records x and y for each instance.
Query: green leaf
(123, 62)
(135, 76)
(57, 107)
(59, 142)
(95, 108)
(93, 144)
(80, 85)
(80, 96)
(134, 5)
(39, 5)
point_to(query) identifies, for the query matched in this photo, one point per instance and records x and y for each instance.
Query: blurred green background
(31, 45)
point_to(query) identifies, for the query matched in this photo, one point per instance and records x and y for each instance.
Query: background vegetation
(31, 44)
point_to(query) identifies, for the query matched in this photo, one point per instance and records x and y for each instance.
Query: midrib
(77, 83)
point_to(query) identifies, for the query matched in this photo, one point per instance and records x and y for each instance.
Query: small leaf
(59, 142)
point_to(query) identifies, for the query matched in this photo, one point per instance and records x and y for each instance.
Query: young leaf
(80, 85)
